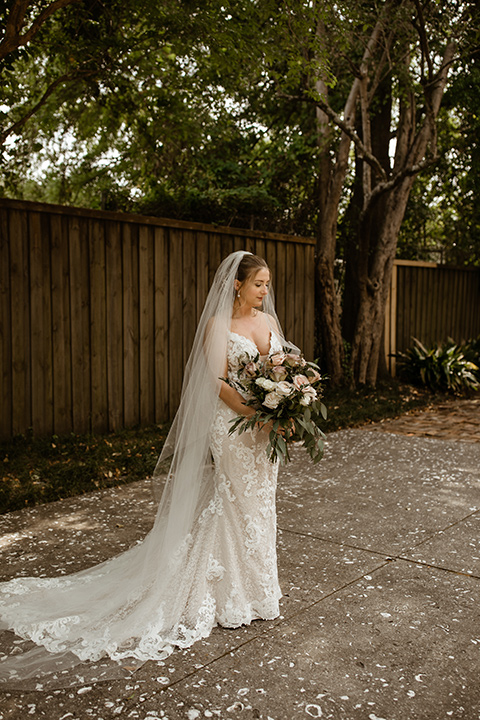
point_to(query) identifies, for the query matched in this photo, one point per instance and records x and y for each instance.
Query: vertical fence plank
(98, 326)
(444, 302)
(461, 320)
(61, 327)
(37, 328)
(161, 261)
(260, 248)
(457, 306)
(393, 320)
(430, 333)
(20, 309)
(250, 244)
(309, 302)
(114, 295)
(5, 330)
(146, 325)
(473, 303)
(419, 298)
(271, 257)
(175, 360)
(214, 256)
(238, 242)
(298, 296)
(404, 339)
(449, 289)
(290, 291)
(226, 245)
(80, 329)
(426, 301)
(279, 284)
(189, 293)
(202, 271)
(131, 345)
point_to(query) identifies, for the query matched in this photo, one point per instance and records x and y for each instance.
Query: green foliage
(205, 111)
(471, 351)
(443, 367)
(442, 220)
(172, 113)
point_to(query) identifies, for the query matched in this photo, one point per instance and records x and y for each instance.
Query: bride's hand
(268, 427)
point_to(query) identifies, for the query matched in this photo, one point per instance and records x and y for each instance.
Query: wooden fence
(432, 303)
(98, 311)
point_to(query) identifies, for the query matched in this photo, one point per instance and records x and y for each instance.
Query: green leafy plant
(443, 366)
(471, 351)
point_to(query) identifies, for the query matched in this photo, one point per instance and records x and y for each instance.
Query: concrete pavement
(379, 561)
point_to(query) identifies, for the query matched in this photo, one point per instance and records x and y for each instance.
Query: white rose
(272, 400)
(308, 395)
(284, 388)
(266, 384)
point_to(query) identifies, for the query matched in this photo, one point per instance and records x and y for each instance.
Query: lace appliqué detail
(215, 571)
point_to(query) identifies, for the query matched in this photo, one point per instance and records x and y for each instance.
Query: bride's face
(255, 288)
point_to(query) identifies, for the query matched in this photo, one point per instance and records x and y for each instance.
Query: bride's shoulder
(270, 320)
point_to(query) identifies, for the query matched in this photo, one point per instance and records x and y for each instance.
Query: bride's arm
(234, 400)
(214, 350)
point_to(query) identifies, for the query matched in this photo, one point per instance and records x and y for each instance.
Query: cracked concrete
(379, 561)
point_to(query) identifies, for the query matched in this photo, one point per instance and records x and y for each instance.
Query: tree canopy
(308, 117)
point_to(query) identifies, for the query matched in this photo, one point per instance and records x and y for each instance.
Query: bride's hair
(250, 265)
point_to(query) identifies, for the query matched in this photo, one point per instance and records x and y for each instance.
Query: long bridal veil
(109, 619)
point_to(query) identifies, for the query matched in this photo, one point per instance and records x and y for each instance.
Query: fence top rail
(415, 263)
(439, 266)
(148, 220)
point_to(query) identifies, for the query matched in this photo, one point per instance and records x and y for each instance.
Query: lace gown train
(140, 605)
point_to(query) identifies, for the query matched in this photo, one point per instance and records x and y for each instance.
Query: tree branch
(380, 72)
(59, 81)
(427, 133)
(396, 179)
(350, 132)
(13, 39)
(423, 39)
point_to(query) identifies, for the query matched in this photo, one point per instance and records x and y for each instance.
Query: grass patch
(39, 470)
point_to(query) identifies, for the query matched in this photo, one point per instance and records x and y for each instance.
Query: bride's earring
(238, 294)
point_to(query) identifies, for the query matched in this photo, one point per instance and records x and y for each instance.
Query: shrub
(442, 367)
(471, 351)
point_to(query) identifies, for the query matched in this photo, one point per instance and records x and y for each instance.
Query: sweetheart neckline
(254, 343)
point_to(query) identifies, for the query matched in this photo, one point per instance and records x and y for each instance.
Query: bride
(211, 556)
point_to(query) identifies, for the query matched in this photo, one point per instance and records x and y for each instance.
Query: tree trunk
(382, 228)
(332, 173)
(361, 236)
(374, 287)
(329, 320)
(327, 302)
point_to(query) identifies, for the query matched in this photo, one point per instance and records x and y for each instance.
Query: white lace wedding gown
(138, 606)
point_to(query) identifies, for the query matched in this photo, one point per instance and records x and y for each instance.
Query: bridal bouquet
(286, 390)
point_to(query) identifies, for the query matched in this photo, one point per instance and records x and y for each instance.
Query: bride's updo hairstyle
(249, 266)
